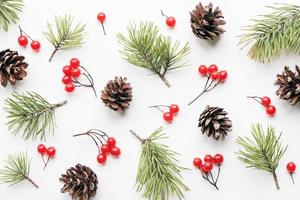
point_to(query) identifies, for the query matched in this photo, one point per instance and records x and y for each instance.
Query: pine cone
(80, 182)
(289, 85)
(213, 122)
(12, 67)
(117, 94)
(207, 23)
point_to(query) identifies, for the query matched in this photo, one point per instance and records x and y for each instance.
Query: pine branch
(66, 35)
(31, 113)
(263, 152)
(16, 170)
(9, 12)
(146, 48)
(158, 173)
(273, 34)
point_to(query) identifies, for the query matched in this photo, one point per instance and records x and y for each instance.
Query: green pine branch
(66, 36)
(9, 12)
(273, 34)
(30, 113)
(158, 173)
(263, 151)
(145, 47)
(16, 170)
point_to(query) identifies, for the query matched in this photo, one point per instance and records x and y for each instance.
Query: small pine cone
(213, 122)
(117, 94)
(12, 67)
(80, 182)
(207, 23)
(289, 85)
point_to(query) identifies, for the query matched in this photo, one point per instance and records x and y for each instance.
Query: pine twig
(9, 12)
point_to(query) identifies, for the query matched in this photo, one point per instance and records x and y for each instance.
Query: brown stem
(60, 104)
(163, 78)
(275, 179)
(103, 28)
(31, 181)
(53, 53)
(292, 177)
(255, 99)
(137, 136)
(46, 162)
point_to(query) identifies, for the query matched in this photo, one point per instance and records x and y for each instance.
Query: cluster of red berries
(207, 166)
(266, 102)
(50, 152)
(108, 148)
(23, 41)
(71, 71)
(170, 21)
(101, 18)
(291, 168)
(168, 116)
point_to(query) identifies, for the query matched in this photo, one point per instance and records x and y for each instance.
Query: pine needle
(145, 47)
(31, 113)
(9, 12)
(158, 173)
(66, 35)
(263, 152)
(273, 34)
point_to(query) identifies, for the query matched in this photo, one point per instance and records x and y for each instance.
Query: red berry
(174, 109)
(105, 149)
(266, 101)
(111, 142)
(207, 167)
(214, 75)
(70, 87)
(197, 162)
(66, 79)
(51, 151)
(35, 45)
(74, 62)
(271, 110)
(75, 72)
(115, 151)
(67, 70)
(168, 117)
(101, 158)
(291, 167)
(212, 68)
(22, 40)
(208, 158)
(218, 159)
(223, 75)
(171, 21)
(101, 17)
(202, 70)
(42, 149)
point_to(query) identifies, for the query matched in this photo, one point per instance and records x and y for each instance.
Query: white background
(100, 55)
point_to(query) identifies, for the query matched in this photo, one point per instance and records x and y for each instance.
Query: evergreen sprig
(9, 12)
(16, 170)
(158, 173)
(31, 113)
(263, 152)
(66, 35)
(273, 34)
(145, 47)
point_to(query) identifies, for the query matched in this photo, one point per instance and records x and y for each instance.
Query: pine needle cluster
(9, 12)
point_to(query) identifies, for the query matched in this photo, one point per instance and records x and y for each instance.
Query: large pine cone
(289, 85)
(80, 182)
(213, 122)
(117, 94)
(207, 23)
(12, 67)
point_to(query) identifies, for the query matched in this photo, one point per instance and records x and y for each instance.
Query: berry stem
(103, 28)
(207, 179)
(89, 78)
(46, 162)
(43, 158)
(162, 13)
(95, 133)
(292, 177)
(21, 33)
(158, 107)
(219, 170)
(31, 181)
(137, 136)
(255, 99)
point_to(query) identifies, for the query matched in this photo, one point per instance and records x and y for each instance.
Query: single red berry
(214, 75)
(67, 70)
(111, 142)
(168, 117)
(174, 109)
(202, 70)
(115, 151)
(271, 110)
(101, 17)
(223, 75)
(212, 68)
(291, 167)
(51, 151)
(266, 101)
(42, 149)
(105, 149)
(66, 79)
(218, 159)
(171, 21)
(70, 87)
(74, 62)
(197, 162)
(101, 158)
(208, 158)
(22, 40)
(207, 167)
(35, 45)
(75, 72)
